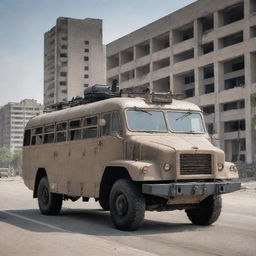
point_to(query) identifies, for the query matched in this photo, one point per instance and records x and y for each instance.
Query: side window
(49, 133)
(26, 141)
(61, 132)
(116, 124)
(106, 130)
(74, 130)
(90, 129)
(37, 136)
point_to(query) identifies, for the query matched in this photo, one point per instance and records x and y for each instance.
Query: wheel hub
(121, 205)
(45, 196)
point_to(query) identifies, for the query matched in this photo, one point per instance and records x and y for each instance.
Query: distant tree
(6, 157)
(16, 161)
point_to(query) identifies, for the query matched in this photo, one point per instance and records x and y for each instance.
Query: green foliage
(16, 160)
(5, 157)
(8, 158)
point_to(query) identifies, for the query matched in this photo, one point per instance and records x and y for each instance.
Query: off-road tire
(49, 203)
(127, 205)
(207, 212)
(104, 203)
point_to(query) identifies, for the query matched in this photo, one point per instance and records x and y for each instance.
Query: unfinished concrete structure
(206, 51)
(74, 58)
(14, 117)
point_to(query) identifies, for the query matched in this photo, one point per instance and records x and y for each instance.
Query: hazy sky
(23, 23)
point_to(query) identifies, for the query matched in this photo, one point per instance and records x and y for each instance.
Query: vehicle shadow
(86, 221)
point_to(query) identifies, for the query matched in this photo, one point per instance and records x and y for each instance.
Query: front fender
(134, 169)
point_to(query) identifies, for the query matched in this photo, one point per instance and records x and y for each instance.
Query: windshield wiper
(184, 115)
(141, 110)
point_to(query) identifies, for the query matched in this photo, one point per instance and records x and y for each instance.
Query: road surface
(84, 229)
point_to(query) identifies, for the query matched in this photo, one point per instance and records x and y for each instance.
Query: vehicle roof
(105, 106)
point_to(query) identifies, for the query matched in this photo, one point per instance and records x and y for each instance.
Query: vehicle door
(111, 142)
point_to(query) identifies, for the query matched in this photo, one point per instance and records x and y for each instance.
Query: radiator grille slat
(195, 164)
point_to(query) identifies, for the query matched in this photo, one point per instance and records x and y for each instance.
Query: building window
(208, 71)
(86, 50)
(86, 76)
(231, 39)
(232, 13)
(233, 105)
(189, 79)
(63, 83)
(189, 93)
(64, 47)
(233, 126)
(86, 68)
(234, 82)
(86, 85)
(64, 38)
(63, 73)
(208, 109)
(86, 58)
(86, 42)
(63, 55)
(64, 91)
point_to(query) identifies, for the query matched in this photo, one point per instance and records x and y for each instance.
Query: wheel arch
(110, 176)
(41, 172)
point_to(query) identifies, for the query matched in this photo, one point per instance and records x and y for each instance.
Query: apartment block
(74, 58)
(207, 52)
(13, 119)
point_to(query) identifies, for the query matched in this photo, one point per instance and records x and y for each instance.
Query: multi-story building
(207, 52)
(74, 58)
(13, 119)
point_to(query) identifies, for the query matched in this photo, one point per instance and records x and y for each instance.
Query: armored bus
(131, 155)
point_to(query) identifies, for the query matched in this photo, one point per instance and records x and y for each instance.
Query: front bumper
(190, 188)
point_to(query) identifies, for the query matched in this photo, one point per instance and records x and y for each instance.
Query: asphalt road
(84, 229)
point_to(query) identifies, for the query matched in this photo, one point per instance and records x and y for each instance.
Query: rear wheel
(127, 205)
(104, 203)
(207, 212)
(49, 203)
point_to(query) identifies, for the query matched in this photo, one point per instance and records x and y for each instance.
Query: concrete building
(74, 58)
(206, 51)
(13, 119)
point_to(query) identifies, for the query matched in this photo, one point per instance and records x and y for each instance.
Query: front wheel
(127, 205)
(207, 212)
(49, 203)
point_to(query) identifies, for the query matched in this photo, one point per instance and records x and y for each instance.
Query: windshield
(187, 122)
(146, 120)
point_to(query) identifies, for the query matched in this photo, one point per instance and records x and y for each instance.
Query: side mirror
(117, 135)
(102, 122)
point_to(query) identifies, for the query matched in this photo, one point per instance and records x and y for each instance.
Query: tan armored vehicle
(131, 154)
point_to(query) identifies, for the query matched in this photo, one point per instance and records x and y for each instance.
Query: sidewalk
(250, 185)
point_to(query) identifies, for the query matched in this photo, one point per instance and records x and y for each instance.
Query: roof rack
(100, 92)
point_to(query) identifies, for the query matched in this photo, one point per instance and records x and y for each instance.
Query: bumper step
(190, 188)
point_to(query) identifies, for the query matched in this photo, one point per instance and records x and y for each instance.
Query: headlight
(233, 168)
(220, 166)
(167, 167)
(145, 169)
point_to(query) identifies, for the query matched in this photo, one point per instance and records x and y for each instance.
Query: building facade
(207, 52)
(74, 58)
(13, 119)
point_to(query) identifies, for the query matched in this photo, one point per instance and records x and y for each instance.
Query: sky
(24, 22)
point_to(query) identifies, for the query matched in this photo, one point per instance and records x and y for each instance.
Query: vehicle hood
(177, 143)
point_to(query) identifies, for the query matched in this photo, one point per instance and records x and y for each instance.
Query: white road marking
(121, 247)
(36, 221)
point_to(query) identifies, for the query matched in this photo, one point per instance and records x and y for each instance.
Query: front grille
(195, 164)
